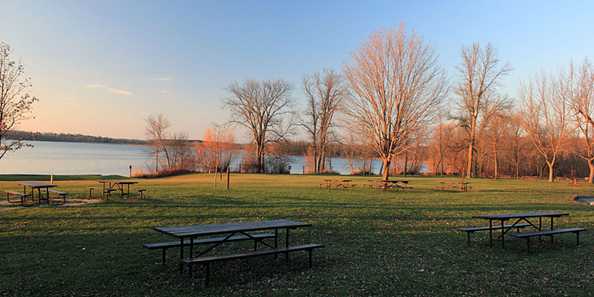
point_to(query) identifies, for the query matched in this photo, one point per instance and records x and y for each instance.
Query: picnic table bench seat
(207, 260)
(551, 233)
(462, 186)
(59, 193)
(470, 230)
(21, 196)
(173, 244)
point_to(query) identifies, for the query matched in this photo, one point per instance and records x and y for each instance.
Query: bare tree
(577, 88)
(481, 71)
(156, 132)
(325, 92)
(261, 107)
(180, 152)
(545, 119)
(15, 102)
(395, 85)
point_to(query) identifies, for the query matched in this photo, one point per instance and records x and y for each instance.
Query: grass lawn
(377, 243)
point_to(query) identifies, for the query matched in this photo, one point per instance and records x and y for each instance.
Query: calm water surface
(47, 157)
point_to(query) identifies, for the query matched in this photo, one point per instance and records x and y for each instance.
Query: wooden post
(228, 178)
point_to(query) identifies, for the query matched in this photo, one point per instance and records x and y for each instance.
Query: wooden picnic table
(119, 185)
(518, 218)
(459, 185)
(229, 230)
(39, 186)
(389, 184)
(338, 183)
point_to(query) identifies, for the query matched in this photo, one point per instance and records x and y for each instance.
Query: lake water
(47, 157)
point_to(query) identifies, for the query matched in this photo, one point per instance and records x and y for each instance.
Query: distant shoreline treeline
(292, 148)
(68, 137)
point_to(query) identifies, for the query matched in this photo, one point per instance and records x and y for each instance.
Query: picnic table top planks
(37, 184)
(532, 214)
(211, 229)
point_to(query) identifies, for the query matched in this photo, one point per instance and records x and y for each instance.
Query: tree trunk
(591, 167)
(386, 168)
(260, 159)
(495, 163)
(405, 162)
(470, 149)
(551, 167)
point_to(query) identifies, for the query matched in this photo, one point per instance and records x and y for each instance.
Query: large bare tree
(325, 92)
(157, 132)
(396, 85)
(577, 88)
(263, 108)
(15, 102)
(545, 119)
(481, 72)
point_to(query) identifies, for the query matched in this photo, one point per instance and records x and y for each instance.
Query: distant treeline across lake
(52, 157)
(69, 137)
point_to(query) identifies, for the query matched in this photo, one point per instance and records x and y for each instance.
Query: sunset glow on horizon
(101, 68)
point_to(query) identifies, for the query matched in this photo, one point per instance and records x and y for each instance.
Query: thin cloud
(115, 91)
(163, 78)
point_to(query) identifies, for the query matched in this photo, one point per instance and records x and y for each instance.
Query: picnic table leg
(502, 236)
(181, 255)
(287, 243)
(577, 234)
(275, 241)
(552, 237)
(540, 227)
(490, 232)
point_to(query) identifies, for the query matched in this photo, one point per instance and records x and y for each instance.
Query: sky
(102, 67)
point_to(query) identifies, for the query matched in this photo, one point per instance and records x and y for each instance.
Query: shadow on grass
(360, 261)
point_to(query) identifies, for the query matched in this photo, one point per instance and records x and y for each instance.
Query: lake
(47, 157)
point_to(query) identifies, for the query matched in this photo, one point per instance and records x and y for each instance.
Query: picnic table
(519, 219)
(39, 186)
(337, 183)
(390, 184)
(228, 230)
(461, 185)
(123, 186)
(233, 232)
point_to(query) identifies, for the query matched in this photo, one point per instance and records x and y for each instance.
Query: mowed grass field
(378, 243)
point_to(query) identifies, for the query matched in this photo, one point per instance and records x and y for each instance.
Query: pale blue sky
(100, 67)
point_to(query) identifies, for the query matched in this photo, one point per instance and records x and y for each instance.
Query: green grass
(377, 243)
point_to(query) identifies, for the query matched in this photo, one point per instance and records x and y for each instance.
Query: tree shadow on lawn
(117, 265)
(306, 211)
(384, 264)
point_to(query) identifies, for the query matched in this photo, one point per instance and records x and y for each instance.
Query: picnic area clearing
(376, 243)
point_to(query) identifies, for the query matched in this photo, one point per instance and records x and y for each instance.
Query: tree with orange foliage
(215, 152)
